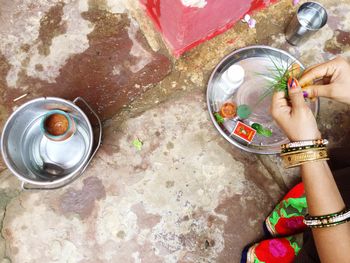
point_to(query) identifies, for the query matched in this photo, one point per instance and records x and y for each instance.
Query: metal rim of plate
(248, 148)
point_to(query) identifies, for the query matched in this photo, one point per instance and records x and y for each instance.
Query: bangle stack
(297, 153)
(327, 220)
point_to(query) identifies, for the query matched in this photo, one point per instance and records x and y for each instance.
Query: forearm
(323, 197)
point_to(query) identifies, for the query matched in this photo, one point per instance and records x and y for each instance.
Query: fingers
(315, 91)
(295, 95)
(279, 102)
(278, 97)
(317, 72)
(312, 67)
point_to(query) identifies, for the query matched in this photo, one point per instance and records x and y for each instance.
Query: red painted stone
(184, 27)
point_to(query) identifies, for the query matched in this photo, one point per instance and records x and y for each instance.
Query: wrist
(304, 137)
(312, 165)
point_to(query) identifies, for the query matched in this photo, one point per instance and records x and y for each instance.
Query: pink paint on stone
(186, 23)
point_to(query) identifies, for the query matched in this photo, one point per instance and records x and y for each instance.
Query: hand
(334, 79)
(294, 117)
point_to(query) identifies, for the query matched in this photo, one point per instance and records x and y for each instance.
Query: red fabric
(296, 192)
(290, 226)
(276, 250)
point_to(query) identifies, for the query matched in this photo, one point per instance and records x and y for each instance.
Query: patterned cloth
(284, 225)
(287, 217)
(276, 250)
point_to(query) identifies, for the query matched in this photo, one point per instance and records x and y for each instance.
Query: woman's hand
(330, 80)
(294, 117)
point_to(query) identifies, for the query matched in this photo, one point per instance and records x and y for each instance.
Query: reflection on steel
(257, 61)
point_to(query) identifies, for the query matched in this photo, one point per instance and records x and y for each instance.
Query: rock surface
(187, 195)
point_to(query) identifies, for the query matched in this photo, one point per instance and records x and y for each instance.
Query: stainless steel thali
(257, 62)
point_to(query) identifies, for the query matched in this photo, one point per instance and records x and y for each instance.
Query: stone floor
(186, 195)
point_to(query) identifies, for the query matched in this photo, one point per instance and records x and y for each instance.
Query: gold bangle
(301, 158)
(302, 151)
(296, 159)
(301, 163)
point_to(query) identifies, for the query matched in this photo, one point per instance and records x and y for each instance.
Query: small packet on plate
(244, 132)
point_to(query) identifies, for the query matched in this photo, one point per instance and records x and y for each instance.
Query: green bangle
(332, 224)
(304, 143)
(308, 217)
(327, 220)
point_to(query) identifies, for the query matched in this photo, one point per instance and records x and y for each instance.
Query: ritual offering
(261, 130)
(232, 79)
(244, 132)
(228, 110)
(57, 125)
(219, 119)
(244, 111)
(241, 113)
(295, 70)
(279, 76)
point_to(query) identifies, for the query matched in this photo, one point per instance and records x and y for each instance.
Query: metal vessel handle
(100, 131)
(26, 187)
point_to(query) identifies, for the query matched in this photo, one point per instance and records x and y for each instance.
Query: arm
(323, 198)
(322, 194)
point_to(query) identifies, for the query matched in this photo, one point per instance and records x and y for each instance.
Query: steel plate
(257, 61)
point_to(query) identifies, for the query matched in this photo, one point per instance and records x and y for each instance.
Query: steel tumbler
(310, 17)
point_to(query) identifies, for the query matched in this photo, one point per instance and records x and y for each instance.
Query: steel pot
(40, 163)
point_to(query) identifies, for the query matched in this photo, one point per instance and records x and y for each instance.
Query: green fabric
(296, 248)
(258, 261)
(274, 218)
(298, 203)
(288, 208)
(296, 243)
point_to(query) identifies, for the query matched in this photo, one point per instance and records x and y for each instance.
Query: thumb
(315, 91)
(295, 94)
